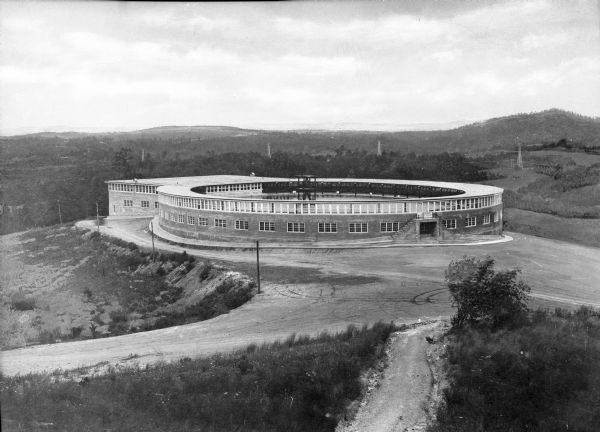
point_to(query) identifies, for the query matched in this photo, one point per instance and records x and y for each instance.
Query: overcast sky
(368, 64)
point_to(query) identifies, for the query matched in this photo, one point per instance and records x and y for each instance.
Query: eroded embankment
(63, 283)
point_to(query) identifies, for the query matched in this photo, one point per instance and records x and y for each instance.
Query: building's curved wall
(180, 216)
(220, 201)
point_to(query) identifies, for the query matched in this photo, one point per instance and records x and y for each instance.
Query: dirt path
(397, 404)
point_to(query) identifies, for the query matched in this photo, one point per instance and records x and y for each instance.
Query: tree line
(44, 192)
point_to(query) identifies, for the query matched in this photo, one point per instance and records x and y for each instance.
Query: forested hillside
(33, 190)
(183, 141)
(40, 173)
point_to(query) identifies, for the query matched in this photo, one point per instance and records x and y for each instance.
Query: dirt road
(396, 405)
(308, 291)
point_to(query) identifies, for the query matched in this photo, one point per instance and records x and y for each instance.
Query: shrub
(483, 295)
(22, 302)
(118, 316)
(540, 376)
(205, 272)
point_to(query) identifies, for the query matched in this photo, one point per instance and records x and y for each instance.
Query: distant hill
(493, 134)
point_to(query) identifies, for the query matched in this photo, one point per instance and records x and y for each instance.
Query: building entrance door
(428, 229)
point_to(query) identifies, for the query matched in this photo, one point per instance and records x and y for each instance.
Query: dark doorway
(428, 228)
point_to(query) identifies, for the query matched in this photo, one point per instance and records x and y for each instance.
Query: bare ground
(306, 292)
(397, 400)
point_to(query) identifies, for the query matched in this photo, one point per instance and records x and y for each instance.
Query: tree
(122, 162)
(483, 295)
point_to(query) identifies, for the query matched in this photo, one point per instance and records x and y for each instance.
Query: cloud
(234, 64)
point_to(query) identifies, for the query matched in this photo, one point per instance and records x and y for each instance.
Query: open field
(576, 230)
(306, 292)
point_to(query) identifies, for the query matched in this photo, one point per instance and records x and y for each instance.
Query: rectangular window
(241, 225)
(486, 219)
(155, 204)
(449, 223)
(128, 203)
(295, 227)
(180, 218)
(220, 223)
(470, 222)
(191, 220)
(358, 227)
(266, 226)
(327, 227)
(389, 226)
(202, 221)
(145, 204)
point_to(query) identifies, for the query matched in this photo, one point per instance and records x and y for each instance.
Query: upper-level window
(358, 227)
(327, 227)
(128, 203)
(470, 222)
(296, 227)
(155, 204)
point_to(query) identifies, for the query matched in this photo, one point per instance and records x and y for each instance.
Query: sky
(381, 65)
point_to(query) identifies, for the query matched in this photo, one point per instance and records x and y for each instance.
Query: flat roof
(199, 180)
(182, 185)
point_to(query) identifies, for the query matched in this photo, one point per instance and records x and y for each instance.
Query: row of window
(388, 207)
(122, 187)
(322, 227)
(144, 204)
(470, 221)
(234, 187)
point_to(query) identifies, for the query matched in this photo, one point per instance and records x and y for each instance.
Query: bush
(483, 295)
(205, 272)
(541, 376)
(118, 316)
(22, 302)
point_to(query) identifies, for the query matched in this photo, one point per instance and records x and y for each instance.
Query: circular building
(306, 208)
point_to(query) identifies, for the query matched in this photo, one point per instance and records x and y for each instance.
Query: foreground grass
(301, 384)
(540, 375)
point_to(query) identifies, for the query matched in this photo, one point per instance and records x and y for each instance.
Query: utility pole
(152, 231)
(59, 212)
(257, 267)
(97, 218)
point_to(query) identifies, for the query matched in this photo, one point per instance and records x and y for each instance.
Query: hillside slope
(496, 133)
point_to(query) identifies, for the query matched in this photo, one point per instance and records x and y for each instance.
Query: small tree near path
(483, 295)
